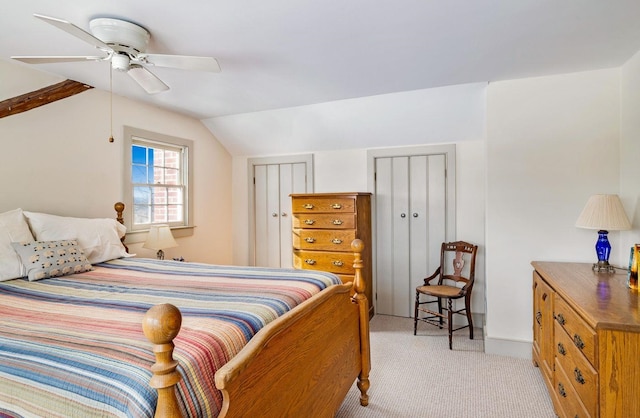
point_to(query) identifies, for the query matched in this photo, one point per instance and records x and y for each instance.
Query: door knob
(275, 215)
(403, 215)
(415, 215)
(284, 214)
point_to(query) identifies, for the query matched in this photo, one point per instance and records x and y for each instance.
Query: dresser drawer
(331, 261)
(582, 376)
(320, 205)
(581, 334)
(323, 239)
(567, 397)
(324, 221)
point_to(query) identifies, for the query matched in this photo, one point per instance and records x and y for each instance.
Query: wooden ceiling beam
(41, 97)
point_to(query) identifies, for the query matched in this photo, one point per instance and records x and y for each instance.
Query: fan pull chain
(110, 103)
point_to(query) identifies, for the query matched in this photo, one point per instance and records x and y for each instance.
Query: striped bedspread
(73, 346)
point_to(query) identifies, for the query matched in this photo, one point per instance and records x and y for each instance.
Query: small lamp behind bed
(159, 238)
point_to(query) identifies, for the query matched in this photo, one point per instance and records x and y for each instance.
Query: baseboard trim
(510, 348)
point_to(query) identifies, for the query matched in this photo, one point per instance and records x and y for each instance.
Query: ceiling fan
(124, 45)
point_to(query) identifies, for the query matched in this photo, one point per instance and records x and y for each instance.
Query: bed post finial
(161, 325)
(360, 298)
(119, 207)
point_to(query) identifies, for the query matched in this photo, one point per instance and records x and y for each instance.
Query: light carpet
(418, 376)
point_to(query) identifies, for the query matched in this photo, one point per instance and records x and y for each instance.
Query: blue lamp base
(603, 249)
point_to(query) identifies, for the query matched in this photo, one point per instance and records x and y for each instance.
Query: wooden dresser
(324, 225)
(586, 340)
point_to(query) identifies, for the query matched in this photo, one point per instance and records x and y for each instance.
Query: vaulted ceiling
(284, 53)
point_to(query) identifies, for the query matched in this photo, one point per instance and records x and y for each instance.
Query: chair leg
(467, 307)
(450, 322)
(440, 311)
(415, 314)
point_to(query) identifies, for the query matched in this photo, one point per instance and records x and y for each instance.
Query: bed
(74, 344)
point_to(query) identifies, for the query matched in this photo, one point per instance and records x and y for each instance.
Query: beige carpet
(418, 376)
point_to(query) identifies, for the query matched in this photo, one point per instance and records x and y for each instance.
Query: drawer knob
(310, 261)
(307, 206)
(337, 222)
(561, 390)
(578, 341)
(336, 206)
(561, 319)
(578, 375)
(309, 221)
(561, 349)
(310, 240)
(336, 241)
(338, 263)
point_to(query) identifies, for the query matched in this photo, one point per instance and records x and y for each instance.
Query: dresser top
(330, 194)
(602, 299)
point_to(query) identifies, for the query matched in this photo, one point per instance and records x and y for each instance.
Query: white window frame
(132, 136)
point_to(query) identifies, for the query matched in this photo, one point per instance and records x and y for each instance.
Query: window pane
(159, 195)
(141, 214)
(174, 213)
(141, 195)
(138, 154)
(171, 176)
(175, 196)
(159, 214)
(158, 157)
(172, 159)
(158, 175)
(139, 174)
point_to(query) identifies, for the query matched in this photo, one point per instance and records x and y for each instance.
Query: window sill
(135, 237)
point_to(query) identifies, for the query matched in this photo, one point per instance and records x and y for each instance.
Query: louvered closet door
(273, 185)
(410, 226)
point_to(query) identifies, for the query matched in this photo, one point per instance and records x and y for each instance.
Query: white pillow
(98, 237)
(13, 228)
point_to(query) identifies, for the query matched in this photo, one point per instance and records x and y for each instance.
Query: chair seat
(441, 291)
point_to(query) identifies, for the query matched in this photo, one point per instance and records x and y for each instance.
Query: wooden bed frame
(300, 365)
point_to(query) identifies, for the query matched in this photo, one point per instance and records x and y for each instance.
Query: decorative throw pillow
(13, 227)
(45, 259)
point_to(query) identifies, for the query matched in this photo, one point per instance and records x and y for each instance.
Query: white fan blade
(147, 79)
(52, 60)
(75, 31)
(183, 62)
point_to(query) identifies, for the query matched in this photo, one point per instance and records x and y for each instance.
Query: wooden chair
(449, 284)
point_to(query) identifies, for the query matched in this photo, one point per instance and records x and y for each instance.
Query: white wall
(630, 148)
(57, 159)
(551, 143)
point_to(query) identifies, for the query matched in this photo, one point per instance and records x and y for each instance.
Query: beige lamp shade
(159, 238)
(604, 212)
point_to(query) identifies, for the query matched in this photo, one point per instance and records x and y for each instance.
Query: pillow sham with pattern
(45, 259)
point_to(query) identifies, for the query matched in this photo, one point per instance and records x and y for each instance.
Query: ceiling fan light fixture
(120, 62)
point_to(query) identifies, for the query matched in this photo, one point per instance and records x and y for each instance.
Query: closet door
(411, 221)
(272, 183)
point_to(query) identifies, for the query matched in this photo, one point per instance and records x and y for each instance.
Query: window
(157, 178)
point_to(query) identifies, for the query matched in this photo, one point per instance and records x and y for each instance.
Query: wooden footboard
(300, 365)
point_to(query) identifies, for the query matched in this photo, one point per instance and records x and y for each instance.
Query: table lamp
(159, 238)
(605, 213)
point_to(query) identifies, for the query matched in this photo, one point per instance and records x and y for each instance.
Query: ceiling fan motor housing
(124, 37)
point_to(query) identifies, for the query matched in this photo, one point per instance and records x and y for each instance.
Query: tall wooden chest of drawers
(586, 332)
(324, 225)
